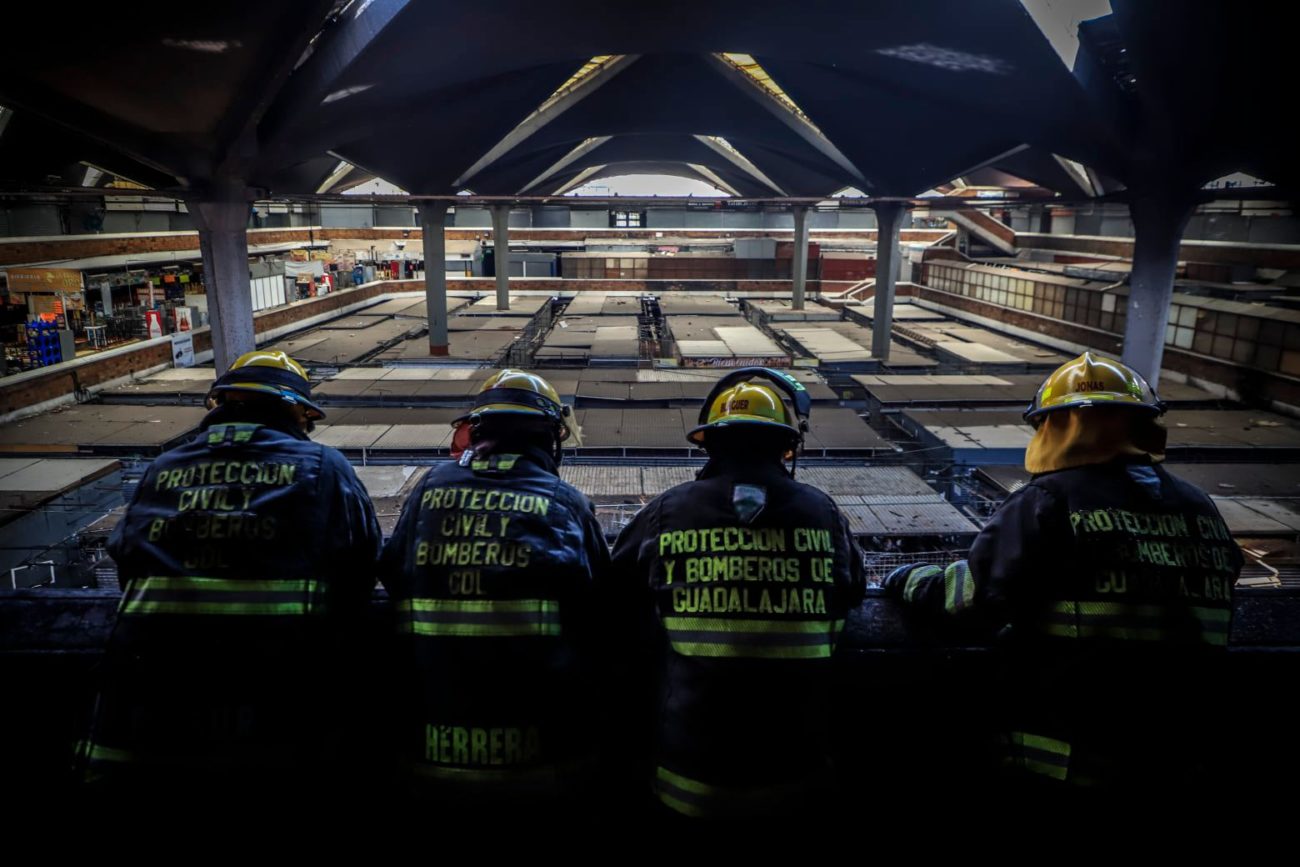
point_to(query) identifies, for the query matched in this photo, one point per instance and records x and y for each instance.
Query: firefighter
(246, 557)
(1109, 582)
(493, 568)
(741, 581)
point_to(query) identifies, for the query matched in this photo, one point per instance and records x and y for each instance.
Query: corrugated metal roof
(50, 475)
(1244, 518)
(656, 480)
(604, 481)
(863, 481)
(913, 519)
(1241, 480)
(409, 437)
(1008, 478)
(349, 436)
(1285, 512)
(863, 521)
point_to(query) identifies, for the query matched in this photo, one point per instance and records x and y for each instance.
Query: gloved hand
(895, 581)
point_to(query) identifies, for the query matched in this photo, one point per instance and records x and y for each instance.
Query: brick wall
(559, 285)
(60, 380)
(20, 251)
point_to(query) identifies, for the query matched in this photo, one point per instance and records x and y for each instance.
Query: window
(626, 219)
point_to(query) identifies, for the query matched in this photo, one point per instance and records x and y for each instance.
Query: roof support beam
(799, 264)
(433, 219)
(333, 55)
(567, 160)
(578, 179)
(804, 129)
(990, 161)
(724, 149)
(236, 134)
(500, 254)
(335, 176)
(222, 221)
(1079, 174)
(547, 112)
(714, 178)
(123, 137)
(1158, 224)
(889, 258)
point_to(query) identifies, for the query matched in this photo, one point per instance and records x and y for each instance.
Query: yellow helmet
(1093, 380)
(517, 392)
(746, 403)
(268, 371)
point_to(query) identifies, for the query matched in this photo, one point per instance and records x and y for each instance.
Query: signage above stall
(44, 280)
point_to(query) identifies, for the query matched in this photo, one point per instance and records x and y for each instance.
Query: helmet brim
(510, 409)
(1099, 399)
(697, 434)
(314, 412)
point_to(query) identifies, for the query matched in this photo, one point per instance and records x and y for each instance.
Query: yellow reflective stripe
(144, 606)
(679, 805)
(1062, 630)
(958, 587)
(1039, 742)
(98, 753)
(752, 651)
(717, 624)
(1109, 609)
(1087, 630)
(686, 784)
(483, 606)
(1046, 769)
(1216, 624)
(1041, 755)
(222, 585)
(916, 580)
(1135, 622)
(192, 594)
(694, 798)
(500, 618)
(752, 639)
(496, 630)
(445, 773)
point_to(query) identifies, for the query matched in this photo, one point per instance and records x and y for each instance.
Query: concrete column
(889, 257)
(799, 265)
(106, 298)
(501, 253)
(433, 217)
(222, 222)
(1158, 223)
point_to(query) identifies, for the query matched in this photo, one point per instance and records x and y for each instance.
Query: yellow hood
(1066, 439)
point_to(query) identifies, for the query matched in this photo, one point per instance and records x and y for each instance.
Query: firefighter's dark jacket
(1111, 588)
(741, 582)
(493, 569)
(1126, 533)
(246, 557)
